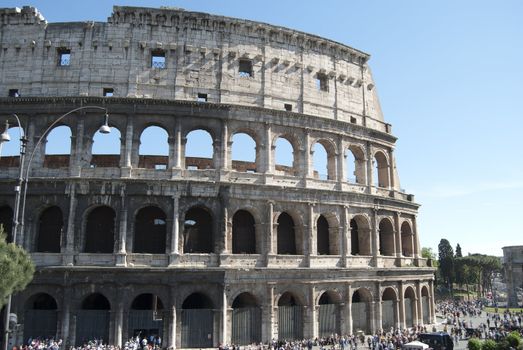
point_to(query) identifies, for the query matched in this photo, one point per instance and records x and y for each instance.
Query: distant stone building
(513, 265)
(204, 250)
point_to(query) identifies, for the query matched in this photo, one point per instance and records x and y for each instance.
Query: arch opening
(386, 234)
(150, 231)
(329, 314)
(243, 233)
(58, 147)
(199, 150)
(92, 321)
(198, 234)
(322, 236)
(410, 307)
(360, 236)
(100, 230)
(284, 157)
(244, 153)
(10, 151)
(146, 318)
(381, 170)
(106, 149)
(407, 239)
(154, 148)
(356, 167)
(389, 308)
(286, 235)
(246, 320)
(197, 321)
(361, 311)
(290, 317)
(425, 302)
(6, 221)
(50, 226)
(40, 317)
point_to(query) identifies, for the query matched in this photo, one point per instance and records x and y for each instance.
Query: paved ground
(476, 321)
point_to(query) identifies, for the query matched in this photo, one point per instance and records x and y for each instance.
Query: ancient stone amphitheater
(203, 250)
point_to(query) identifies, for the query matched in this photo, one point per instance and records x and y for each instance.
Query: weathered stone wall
(513, 265)
(202, 55)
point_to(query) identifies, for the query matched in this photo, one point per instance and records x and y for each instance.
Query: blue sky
(449, 76)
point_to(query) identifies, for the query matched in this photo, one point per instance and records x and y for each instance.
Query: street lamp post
(18, 220)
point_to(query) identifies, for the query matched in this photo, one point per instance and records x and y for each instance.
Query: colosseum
(202, 250)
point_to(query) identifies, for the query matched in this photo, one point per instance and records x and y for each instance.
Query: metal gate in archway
(387, 310)
(426, 309)
(40, 323)
(92, 324)
(360, 319)
(408, 312)
(145, 322)
(329, 320)
(197, 328)
(290, 322)
(246, 325)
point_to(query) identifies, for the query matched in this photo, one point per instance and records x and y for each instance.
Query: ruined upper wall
(203, 54)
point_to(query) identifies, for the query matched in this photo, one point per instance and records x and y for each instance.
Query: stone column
(224, 321)
(122, 238)
(68, 257)
(312, 239)
(379, 307)
(397, 314)
(268, 314)
(312, 314)
(402, 304)
(118, 323)
(418, 303)
(224, 151)
(79, 150)
(171, 337)
(66, 315)
(271, 239)
(375, 236)
(268, 163)
(307, 156)
(175, 233)
(370, 175)
(172, 152)
(342, 164)
(346, 245)
(177, 146)
(128, 142)
(349, 310)
(397, 224)
(432, 307)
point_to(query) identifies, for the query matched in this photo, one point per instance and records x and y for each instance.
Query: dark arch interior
(359, 297)
(198, 232)
(96, 301)
(197, 301)
(389, 294)
(244, 300)
(326, 298)
(147, 301)
(354, 238)
(6, 220)
(322, 234)
(243, 233)
(424, 292)
(409, 293)
(386, 238)
(150, 231)
(50, 228)
(42, 301)
(287, 299)
(100, 230)
(286, 235)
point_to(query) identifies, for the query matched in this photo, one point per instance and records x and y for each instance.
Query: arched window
(197, 325)
(150, 231)
(286, 235)
(356, 167)
(322, 236)
(243, 233)
(50, 228)
(329, 314)
(389, 308)
(386, 238)
(99, 230)
(410, 307)
(243, 153)
(106, 149)
(10, 151)
(284, 156)
(198, 234)
(246, 320)
(425, 305)
(381, 170)
(58, 147)
(6, 221)
(40, 316)
(360, 310)
(290, 317)
(319, 161)
(146, 317)
(154, 148)
(360, 236)
(407, 238)
(199, 150)
(92, 321)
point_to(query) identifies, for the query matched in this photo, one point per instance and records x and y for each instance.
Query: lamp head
(4, 137)
(105, 128)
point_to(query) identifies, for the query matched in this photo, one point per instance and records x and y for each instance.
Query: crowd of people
(456, 316)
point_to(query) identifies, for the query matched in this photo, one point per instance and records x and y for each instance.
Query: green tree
(446, 262)
(16, 268)
(474, 344)
(488, 344)
(458, 251)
